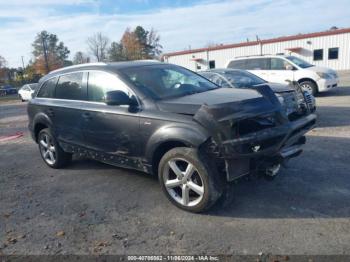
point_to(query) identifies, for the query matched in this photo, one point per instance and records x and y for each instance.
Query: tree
(40, 64)
(149, 41)
(142, 36)
(132, 47)
(98, 45)
(3, 64)
(48, 51)
(153, 43)
(135, 45)
(115, 52)
(80, 58)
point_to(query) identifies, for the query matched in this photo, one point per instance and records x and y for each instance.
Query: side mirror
(289, 67)
(117, 98)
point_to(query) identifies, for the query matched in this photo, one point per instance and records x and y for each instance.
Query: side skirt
(108, 158)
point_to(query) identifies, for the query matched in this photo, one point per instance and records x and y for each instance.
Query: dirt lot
(95, 208)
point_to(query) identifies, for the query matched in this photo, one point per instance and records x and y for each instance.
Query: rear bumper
(270, 145)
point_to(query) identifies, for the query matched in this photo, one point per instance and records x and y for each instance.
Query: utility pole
(45, 55)
(22, 69)
(22, 62)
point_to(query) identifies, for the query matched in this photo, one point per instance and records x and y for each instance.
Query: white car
(282, 69)
(25, 92)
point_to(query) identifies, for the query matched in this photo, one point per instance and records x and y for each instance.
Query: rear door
(259, 66)
(110, 129)
(68, 107)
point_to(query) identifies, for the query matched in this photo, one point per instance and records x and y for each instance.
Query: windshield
(167, 81)
(299, 62)
(239, 79)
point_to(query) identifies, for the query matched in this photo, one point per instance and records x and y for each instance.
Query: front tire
(309, 86)
(50, 151)
(188, 180)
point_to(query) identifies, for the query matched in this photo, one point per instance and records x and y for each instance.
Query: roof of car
(112, 66)
(256, 56)
(219, 70)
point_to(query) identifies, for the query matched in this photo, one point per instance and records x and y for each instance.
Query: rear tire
(188, 180)
(50, 151)
(309, 86)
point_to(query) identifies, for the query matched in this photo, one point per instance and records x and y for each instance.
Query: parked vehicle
(7, 90)
(289, 95)
(282, 68)
(25, 92)
(165, 120)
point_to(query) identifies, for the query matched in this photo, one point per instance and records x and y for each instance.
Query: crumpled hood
(219, 119)
(220, 97)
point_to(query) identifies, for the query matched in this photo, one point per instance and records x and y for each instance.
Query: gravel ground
(93, 208)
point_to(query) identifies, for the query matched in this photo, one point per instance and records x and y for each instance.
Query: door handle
(87, 116)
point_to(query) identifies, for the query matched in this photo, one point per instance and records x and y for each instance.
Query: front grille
(308, 99)
(255, 124)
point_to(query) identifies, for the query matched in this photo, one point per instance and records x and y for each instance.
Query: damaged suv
(166, 120)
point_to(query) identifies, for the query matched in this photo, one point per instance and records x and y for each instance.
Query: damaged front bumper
(252, 135)
(264, 148)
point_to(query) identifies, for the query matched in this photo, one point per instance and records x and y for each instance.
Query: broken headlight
(288, 102)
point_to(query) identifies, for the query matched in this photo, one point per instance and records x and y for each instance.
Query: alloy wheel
(183, 182)
(47, 149)
(307, 87)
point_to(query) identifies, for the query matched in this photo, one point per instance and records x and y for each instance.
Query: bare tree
(98, 46)
(80, 58)
(3, 62)
(154, 47)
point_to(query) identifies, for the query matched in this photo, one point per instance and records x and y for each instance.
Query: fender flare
(185, 134)
(41, 119)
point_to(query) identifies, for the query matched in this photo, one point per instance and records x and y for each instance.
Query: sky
(181, 24)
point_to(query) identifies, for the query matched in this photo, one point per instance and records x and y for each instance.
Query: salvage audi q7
(165, 120)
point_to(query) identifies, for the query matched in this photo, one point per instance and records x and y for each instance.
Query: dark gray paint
(129, 135)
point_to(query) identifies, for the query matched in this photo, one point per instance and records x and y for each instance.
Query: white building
(329, 48)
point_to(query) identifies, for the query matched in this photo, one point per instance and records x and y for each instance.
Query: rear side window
(48, 88)
(70, 87)
(258, 64)
(237, 64)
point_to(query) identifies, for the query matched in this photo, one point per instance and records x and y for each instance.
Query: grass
(9, 98)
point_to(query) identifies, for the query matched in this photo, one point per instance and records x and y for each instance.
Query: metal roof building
(328, 48)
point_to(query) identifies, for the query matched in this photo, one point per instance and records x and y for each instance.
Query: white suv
(282, 69)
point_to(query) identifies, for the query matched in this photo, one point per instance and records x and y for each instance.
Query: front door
(281, 71)
(259, 66)
(111, 130)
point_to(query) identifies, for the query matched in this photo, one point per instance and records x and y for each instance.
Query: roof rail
(251, 55)
(77, 66)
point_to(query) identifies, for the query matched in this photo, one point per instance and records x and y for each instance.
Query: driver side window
(99, 83)
(279, 64)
